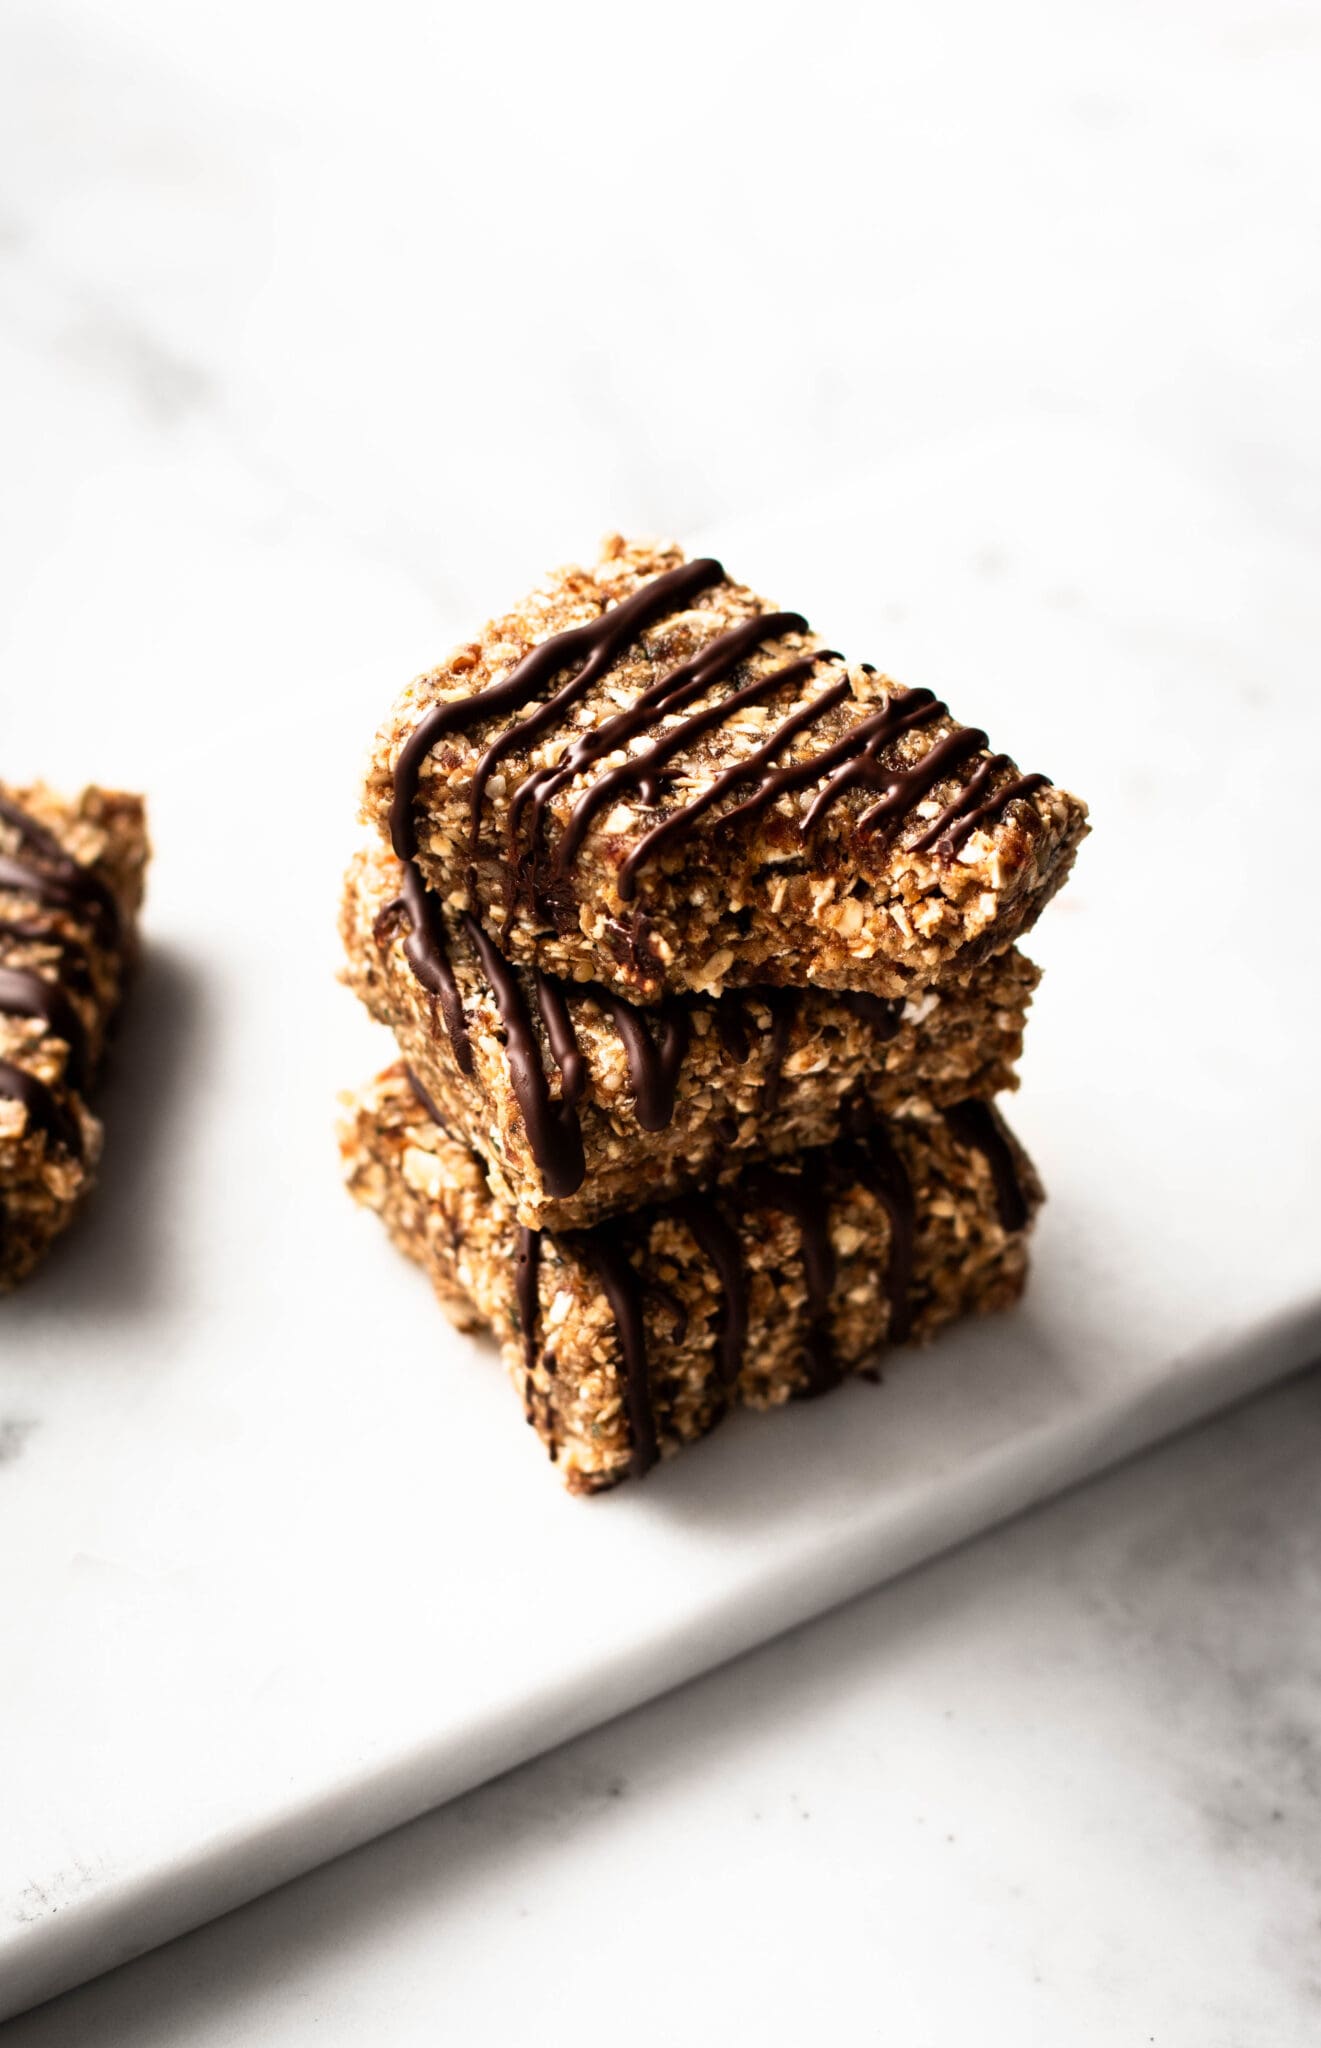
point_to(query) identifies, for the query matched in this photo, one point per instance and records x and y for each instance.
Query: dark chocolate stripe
(732, 1024)
(978, 1125)
(867, 1155)
(45, 1111)
(653, 1070)
(884, 1014)
(712, 665)
(668, 694)
(33, 833)
(962, 828)
(596, 644)
(428, 956)
(968, 799)
(561, 1037)
(856, 758)
(25, 994)
(682, 821)
(906, 786)
(56, 877)
(527, 1267)
(25, 880)
(552, 1128)
(716, 1239)
(670, 1300)
(879, 1167)
(655, 1041)
(427, 1103)
(643, 769)
(851, 761)
(803, 1197)
(783, 1006)
(605, 1250)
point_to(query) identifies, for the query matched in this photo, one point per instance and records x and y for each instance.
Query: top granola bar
(646, 776)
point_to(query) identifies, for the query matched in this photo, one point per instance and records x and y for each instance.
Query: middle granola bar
(580, 1104)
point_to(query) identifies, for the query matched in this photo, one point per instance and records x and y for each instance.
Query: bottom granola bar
(631, 1339)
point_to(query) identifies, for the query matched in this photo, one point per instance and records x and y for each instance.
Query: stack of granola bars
(698, 942)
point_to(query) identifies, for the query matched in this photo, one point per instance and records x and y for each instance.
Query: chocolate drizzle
(960, 819)
(682, 821)
(45, 1111)
(979, 1126)
(885, 1014)
(783, 1006)
(46, 875)
(553, 1130)
(527, 1268)
(428, 956)
(595, 644)
(26, 880)
(879, 1167)
(53, 876)
(906, 786)
(561, 1037)
(655, 1041)
(426, 1101)
(714, 1237)
(24, 994)
(866, 1156)
(670, 693)
(653, 1068)
(607, 1254)
(732, 1024)
(643, 770)
(854, 760)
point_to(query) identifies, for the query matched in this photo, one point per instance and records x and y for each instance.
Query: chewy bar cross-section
(579, 1103)
(71, 878)
(631, 1339)
(645, 776)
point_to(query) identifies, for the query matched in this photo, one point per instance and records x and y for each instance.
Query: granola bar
(579, 1103)
(71, 880)
(631, 1339)
(644, 776)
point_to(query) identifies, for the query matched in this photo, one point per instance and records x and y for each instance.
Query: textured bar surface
(71, 880)
(836, 830)
(628, 1341)
(661, 1100)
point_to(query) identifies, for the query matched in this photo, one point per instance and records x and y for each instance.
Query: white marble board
(291, 1568)
(280, 1566)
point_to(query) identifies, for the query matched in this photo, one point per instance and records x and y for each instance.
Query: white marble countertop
(1059, 1787)
(319, 333)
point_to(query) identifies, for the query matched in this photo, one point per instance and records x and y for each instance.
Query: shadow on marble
(109, 1263)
